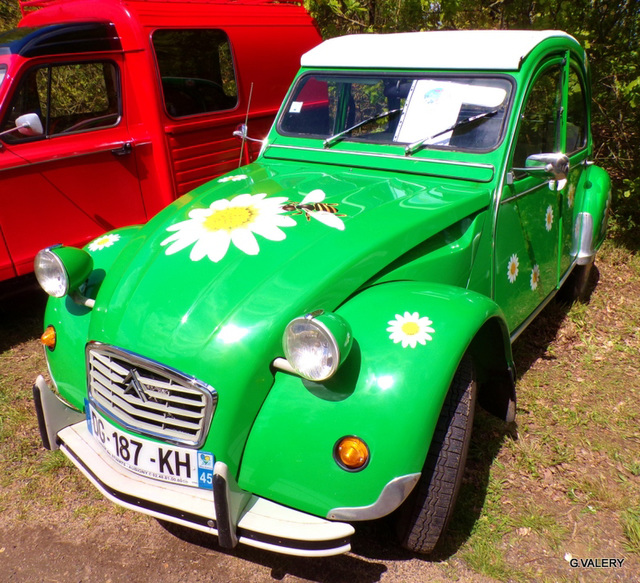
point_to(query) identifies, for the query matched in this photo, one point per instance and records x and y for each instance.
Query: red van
(111, 109)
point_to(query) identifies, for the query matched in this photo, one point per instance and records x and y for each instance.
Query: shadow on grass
(22, 305)
(337, 569)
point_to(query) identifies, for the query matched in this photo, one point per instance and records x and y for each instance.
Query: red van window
(197, 72)
(68, 98)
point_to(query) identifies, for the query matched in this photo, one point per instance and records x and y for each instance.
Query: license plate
(158, 461)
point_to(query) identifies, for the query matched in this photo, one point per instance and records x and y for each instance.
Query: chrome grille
(147, 397)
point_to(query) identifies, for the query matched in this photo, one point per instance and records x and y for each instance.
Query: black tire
(424, 516)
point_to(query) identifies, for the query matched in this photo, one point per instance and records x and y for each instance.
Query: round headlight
(317, 344)
(51, 274)
(61, 270)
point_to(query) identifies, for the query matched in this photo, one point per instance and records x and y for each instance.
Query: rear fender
(389, 392)
(591, 225)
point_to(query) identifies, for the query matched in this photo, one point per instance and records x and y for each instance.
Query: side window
(67, 98)
(196, 70)
(540, 121)
(576, 114)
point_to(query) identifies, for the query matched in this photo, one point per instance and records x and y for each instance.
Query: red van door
(79, 178)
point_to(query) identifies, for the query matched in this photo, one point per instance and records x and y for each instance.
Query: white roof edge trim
(459, 49)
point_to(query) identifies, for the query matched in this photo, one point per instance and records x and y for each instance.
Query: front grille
(147, 397)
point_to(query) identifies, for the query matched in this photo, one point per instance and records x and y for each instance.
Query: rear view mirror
(554, 164)
(28, 124)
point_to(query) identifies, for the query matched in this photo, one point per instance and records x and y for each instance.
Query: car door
(79, 178)
(200, 96)
(528, 219)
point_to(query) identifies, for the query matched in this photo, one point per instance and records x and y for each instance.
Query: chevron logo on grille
(133, 386)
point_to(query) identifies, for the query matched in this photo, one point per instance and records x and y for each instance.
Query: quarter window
(196, 70)
(576, 114)
(68, 98)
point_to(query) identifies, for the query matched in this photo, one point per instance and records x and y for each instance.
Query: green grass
(631, 528)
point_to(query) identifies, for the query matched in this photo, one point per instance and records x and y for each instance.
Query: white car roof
(457, 49)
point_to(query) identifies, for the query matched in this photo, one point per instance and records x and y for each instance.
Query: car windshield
(455, 112)
(3, 72)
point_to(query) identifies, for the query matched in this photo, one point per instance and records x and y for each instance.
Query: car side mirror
(552, 164)
(28, 124)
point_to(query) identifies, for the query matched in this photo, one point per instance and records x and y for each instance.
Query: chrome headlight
(61, 270)
(317, 344)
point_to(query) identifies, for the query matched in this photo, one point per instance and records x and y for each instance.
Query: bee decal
(312, 205)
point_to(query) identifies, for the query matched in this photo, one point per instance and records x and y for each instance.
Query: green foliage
(9, 15)
(609, 30)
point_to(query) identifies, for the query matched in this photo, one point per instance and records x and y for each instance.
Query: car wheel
(425, 515)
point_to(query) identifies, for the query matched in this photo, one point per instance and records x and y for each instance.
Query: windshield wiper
(337, 137)
(413, 148)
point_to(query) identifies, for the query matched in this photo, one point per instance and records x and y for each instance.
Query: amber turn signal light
(351, 453)
(48, 337)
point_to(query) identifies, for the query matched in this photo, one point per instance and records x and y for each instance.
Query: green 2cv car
(300, 344)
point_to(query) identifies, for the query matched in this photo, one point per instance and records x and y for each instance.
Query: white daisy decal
(238, 221)
(512, 268)
(548, 219)
(535, 277)
(410, 329)
(104, 241)
(571, 195)
(233, 178)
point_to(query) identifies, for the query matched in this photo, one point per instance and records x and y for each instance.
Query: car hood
(211, 282)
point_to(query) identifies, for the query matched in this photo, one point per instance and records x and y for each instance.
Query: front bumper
(232, 515)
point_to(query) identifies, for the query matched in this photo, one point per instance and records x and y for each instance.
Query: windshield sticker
(312, 206)
(296, 107)
(104, 241)
(512, 269)
(410, 329)
(238, 221)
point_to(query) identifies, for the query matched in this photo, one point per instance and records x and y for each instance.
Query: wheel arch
(385, 393)
(490, 350)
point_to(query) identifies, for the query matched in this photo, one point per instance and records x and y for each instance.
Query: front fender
(387, 393)
(71, 320)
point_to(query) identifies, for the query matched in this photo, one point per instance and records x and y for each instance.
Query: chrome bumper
(227, 512)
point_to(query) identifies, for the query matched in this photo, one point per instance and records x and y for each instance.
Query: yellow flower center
(410, 328)
(102, 240)
(513, 268)
(230, 218)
